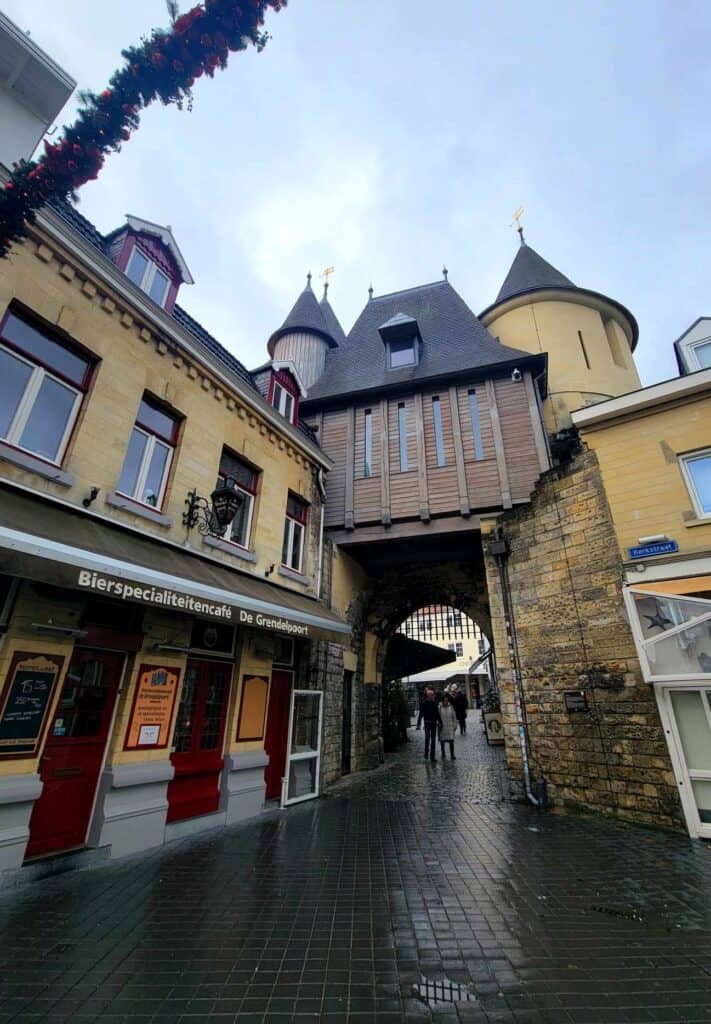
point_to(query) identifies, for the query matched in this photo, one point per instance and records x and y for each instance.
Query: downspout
(321, 481)
(499, 547)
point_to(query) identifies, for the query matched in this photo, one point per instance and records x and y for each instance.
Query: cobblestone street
(353, 907)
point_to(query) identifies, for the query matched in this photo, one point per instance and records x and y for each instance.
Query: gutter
(64, 235)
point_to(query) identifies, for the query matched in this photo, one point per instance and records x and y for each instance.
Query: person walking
(429, 714)
(447, 727)
(460, 705)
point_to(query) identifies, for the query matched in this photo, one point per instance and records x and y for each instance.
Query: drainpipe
(499, 547)
(321, 481)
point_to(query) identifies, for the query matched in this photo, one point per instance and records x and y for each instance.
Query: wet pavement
(414, 893)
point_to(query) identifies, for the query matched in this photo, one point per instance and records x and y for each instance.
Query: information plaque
(576, 701)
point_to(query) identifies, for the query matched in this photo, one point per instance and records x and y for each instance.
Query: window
(476, 425)
(41, 387)
(459, 649)
(584, 350)
(148, 276)
(368, 443)
(246, 482)
(703, 354)
(439, 437)
(451, 647)
(149, 454)
(696, 468)
(402, 353)
(292, 551)
(402, 433)
(283, 402)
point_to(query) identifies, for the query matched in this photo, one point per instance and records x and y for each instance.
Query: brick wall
(565, 577)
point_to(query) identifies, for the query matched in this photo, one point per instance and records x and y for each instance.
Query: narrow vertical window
(476, 425)
(368, 444)
(585, 351)
(402, 431)
(439, 436)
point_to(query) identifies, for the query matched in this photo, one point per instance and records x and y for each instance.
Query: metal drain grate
(443, 991)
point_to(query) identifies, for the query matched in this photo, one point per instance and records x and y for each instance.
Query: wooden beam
(349, 517)
(464, 506)
(499, 445)
(385, 516)
(421, 458)
(371, 534)
(538, 435)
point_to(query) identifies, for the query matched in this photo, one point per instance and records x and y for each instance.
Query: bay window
(292, 553)
(42, 382)
(148, 276)
(149, 454)
(246, 480)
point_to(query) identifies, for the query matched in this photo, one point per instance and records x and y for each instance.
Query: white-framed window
(246, 479)
(148, 276)
(702, 353)
(292, 552)
(42, 382)
(696, 469)
(402, 353)
(459, 649)
(283, 402)
(149, 454)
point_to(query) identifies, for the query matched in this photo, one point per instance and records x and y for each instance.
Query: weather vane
(325, 275)
(517, 221)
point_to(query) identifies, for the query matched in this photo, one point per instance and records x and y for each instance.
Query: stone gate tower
(589, 337)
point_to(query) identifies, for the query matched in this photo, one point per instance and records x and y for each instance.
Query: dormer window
(283, 402)
(402, 339)
(402, 353)
(148, 276)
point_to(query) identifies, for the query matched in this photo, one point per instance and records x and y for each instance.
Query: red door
(74, 752)
(277, 734)
(198, 740)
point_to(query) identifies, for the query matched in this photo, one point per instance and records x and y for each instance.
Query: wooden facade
(433, 455)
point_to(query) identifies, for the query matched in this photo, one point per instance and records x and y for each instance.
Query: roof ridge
(404, 291)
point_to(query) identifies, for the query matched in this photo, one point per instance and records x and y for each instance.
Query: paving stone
(335, 910)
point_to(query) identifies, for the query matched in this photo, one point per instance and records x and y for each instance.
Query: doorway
(277, 732)
(346, 727)
(74, 752)
(198, 740)
(688, 712)
(304, 747)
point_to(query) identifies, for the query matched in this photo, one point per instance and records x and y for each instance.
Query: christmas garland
(164, 66)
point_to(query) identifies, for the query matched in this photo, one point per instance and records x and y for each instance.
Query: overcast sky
(388, 138)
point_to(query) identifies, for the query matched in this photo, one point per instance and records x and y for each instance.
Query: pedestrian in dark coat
(460, 705)
(429, 714)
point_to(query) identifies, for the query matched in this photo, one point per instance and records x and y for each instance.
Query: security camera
(516, 375)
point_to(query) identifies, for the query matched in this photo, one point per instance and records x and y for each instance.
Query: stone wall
(325, 672)
(565, 577)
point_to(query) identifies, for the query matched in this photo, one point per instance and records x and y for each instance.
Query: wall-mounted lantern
(215, 516)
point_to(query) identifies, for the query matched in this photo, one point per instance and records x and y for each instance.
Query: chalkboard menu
(25, 702)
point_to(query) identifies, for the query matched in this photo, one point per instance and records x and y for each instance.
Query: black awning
(41, 540)
(406, 657)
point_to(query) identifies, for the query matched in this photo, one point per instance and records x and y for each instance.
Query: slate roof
(453, 341)
(86, 229)
(528, 272)
(306, 315)
(333, 324)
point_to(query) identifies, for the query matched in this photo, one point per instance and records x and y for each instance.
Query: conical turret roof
(529, 272)
(306, 315)
(332, 322)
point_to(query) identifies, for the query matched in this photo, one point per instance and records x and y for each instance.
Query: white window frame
(694, 362)
(280, 403)
(149, 273)
(153, 439)
(249, 498)
(704, 453)
(290, 525)
(27, 404)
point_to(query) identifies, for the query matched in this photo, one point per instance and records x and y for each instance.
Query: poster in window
(152, 711)
(25, 701)
(253, 708)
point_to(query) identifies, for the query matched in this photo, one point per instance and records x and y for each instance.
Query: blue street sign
(667, 547)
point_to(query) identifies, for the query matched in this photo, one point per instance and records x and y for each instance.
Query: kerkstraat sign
(165, 597)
